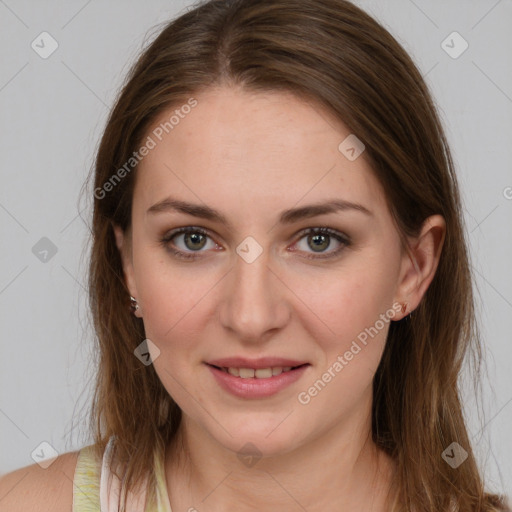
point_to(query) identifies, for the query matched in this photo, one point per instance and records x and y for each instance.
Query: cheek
(355, 313)
(343, 303)
(169, 291)
(173, 309)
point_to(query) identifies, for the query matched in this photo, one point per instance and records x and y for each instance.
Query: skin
(251, 156)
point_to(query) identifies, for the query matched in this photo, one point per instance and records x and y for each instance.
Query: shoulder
(33, 488)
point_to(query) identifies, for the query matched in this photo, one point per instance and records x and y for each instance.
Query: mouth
(261, 379)
(257, 373)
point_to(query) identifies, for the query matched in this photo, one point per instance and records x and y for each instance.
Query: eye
(320, 239)
(193, 238)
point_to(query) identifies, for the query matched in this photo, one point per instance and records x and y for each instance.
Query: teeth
(263, 373)
(260, 373)
(246, 373)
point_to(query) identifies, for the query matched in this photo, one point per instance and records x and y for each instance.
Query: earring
(134, 304)
(408, 316)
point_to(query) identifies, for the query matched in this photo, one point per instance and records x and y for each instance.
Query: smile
(257, 373)
(253, 383)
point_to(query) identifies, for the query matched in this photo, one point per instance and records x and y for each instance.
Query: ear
(123, 242)
(419, 263)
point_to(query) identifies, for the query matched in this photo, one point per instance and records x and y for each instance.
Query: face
(263, 285)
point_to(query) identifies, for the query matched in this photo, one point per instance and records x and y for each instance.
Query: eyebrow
(287, 216)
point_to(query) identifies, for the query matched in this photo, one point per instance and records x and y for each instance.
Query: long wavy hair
(332, 52)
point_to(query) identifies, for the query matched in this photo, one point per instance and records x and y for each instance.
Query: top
(96, 488)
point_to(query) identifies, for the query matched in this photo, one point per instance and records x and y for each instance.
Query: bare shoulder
(33, 488)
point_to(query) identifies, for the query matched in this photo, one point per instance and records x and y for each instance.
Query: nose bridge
(254, 302)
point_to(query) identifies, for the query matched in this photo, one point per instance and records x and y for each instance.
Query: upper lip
(263, 362)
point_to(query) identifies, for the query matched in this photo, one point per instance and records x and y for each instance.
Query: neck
(340, 470)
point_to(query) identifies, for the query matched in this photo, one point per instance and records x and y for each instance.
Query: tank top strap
(110, 487)
(97, 488)
(86, 482)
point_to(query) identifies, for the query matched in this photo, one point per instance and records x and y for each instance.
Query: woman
(279, 277)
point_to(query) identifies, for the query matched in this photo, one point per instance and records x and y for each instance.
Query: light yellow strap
(87, 478)
(86, 482)
(110, 487)
(162, 497)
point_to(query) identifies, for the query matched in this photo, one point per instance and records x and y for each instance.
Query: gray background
(52, 114)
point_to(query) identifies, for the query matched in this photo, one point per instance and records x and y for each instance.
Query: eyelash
(340, 237)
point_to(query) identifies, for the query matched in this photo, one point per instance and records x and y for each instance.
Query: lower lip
(256, 388)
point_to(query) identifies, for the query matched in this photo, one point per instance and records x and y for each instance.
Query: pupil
(317, 237)
(196, 238)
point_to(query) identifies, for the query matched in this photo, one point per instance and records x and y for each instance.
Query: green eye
(194, 239)
(321, 240)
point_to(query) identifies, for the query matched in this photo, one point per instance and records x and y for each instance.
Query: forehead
(259, 149)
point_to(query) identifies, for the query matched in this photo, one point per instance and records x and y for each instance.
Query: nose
(255, 301)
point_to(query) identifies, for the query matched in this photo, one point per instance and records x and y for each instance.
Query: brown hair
(331, 52)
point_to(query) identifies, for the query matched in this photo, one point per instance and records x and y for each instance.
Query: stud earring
(407, 316)
(134, 304)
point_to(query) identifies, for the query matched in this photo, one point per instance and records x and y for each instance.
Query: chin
(259, 438)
